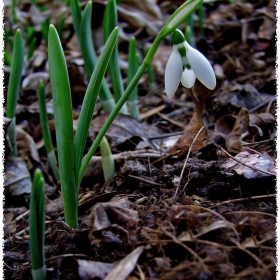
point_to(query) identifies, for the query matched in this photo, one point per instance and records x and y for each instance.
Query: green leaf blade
(90, 98)
(64, 126)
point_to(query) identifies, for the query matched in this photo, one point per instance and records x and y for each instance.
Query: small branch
(243, 199)
(146, 181)
(178, 181)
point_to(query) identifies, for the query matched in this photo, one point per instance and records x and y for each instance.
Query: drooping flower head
(186, 64)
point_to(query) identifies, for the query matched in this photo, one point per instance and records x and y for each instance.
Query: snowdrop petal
(188, 78)
(201, 67)
(173, 72)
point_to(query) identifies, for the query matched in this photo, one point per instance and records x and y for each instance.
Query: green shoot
(82, 26)
(30, 33)
(14, 87)
(31, 48)
(14, 14)
(109, 23)
(64, 126)
(37, 227)
(189, 31)
(60, 26)
(133, 65)
(46, 131)
(90, 99)
(90, 59)
(45, 28)
(77, 16)
(108, 162)
(8, 58)
(201, 19)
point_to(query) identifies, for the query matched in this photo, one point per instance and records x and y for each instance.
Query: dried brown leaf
(9, 225)
(113, 216)
(32, 80)
(124, 130)
(93, 270)
(268, 28)
(113, 212)
(234, 96)
(122, 270)
(243, 128)
(26, 145)
(139, 14)
(160, 59)
(260, 162)
(17, 178)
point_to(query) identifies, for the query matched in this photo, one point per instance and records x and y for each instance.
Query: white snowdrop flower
(186, 64)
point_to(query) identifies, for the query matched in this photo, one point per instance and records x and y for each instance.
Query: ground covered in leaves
(176, 208)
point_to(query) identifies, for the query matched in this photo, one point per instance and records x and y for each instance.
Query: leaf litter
(219, 222)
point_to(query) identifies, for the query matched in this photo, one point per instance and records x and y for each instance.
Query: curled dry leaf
(7, 143)
(26, 145)
(139, 14)
(107, 271)
(160, 59)
(17, 178)
(32, 80)
(259, 162)
(10, 226)
(268, 28)
(125, 131)
(190, 132)
(93, 270)
(115, 216)
(243, 128)
(122, 270)
(235, 96)
(199, 94)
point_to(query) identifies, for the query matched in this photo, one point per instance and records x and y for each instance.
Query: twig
(178, 181)
(252, 212)
(166, 135)
(66, 256)
(146, 181)
(131, 154)
(167, 156)
(243, 199)
(152, 112)
(171, 120)
(23, 215)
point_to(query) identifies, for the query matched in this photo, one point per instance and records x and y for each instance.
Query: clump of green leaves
(70, 149)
